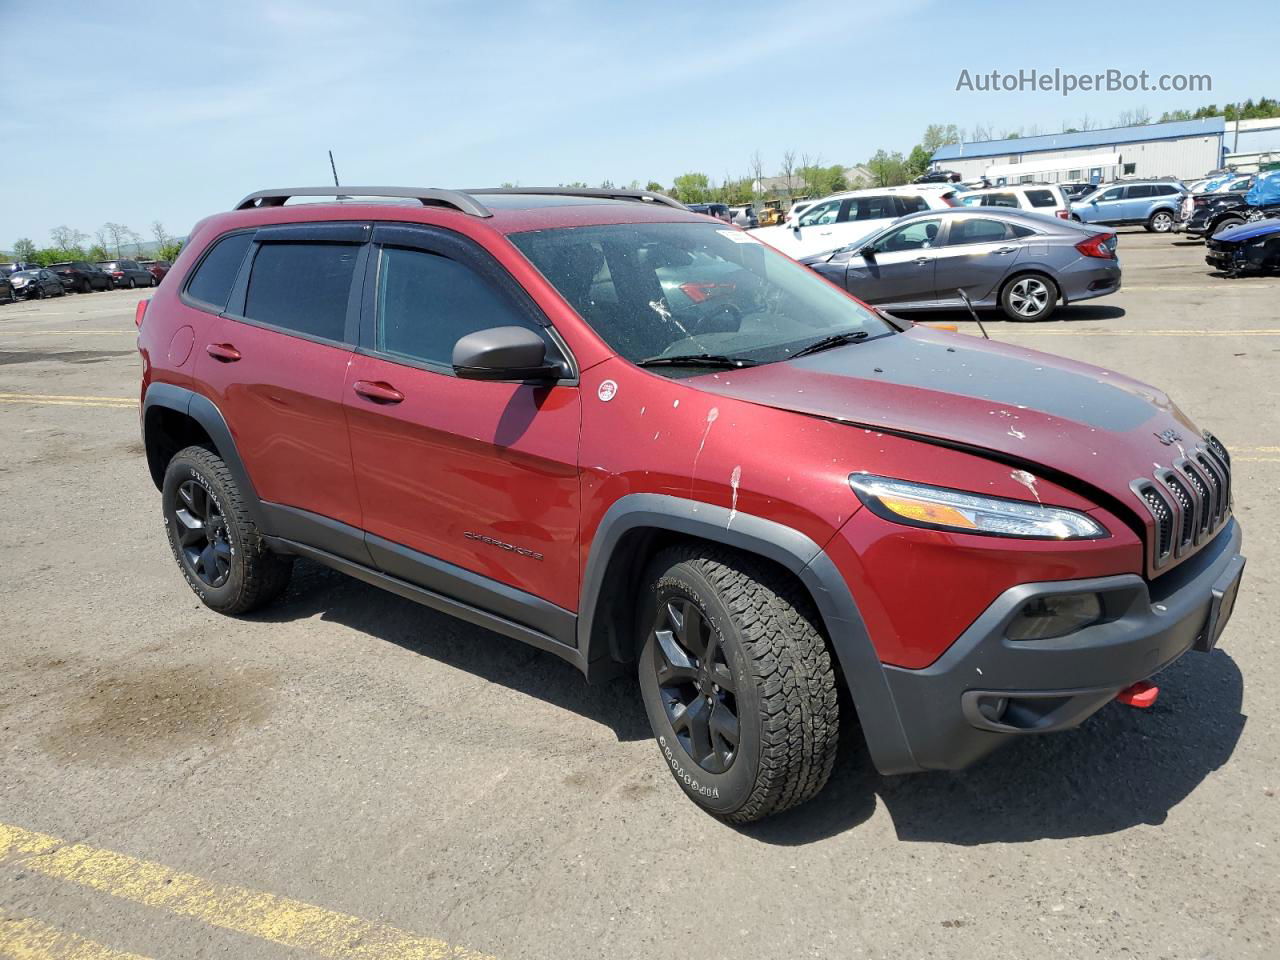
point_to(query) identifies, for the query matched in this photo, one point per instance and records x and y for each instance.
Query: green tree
(653, 186)
(24, 249)
(937, 135)
(919, 159)
(692, 188)
(169, 251)
(887, 169)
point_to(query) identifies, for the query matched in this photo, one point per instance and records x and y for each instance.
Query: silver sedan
(1024, 263)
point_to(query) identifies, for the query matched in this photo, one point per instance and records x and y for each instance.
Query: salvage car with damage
(776, 507)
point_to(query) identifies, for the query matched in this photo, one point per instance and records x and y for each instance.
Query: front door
(458, 473)
(899, 269)
(1106, 206)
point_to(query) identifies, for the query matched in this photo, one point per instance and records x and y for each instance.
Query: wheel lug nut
(715, 687)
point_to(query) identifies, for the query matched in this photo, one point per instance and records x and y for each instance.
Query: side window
(873, 208)
(820, 213)
(911, 205)
(1140, 191)
(1112, 194)
(302, 287)
(1016, 230)
(918, 235)
(975, 230)
(1165, 190)
(216, 274)
(1000, 200)
(426, 303)
(1042, 198)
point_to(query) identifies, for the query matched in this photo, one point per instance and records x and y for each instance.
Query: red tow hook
(1141, 694)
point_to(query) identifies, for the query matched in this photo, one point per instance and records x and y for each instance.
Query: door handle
(1005, 250)
(920, 260)
(223, 352)
(377, 391)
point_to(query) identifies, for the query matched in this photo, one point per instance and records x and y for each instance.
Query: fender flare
(860, 664)
(206, 413)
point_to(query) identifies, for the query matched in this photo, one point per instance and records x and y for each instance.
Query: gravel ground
(413, 774)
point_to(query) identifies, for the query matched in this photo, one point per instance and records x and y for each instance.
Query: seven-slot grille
(1189, 501)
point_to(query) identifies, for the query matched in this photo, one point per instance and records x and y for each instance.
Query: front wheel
(131, 284)
(1029, 297)
(1160, 222)
(214, 540)
(738, 683)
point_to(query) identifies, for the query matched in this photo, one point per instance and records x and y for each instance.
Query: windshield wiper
(697, 360)
(826, 343)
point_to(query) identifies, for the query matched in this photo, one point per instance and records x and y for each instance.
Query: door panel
(902, 270)
(973, 259)
(283, 402)
(481, 475)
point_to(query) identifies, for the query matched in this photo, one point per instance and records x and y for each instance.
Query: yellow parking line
(66, 401)
(22, 938)
(280, 920)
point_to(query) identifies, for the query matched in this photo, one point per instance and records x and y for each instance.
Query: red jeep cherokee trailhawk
(639, 439)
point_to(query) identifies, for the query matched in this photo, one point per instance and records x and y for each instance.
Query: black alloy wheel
(696, 685)
(202, 534)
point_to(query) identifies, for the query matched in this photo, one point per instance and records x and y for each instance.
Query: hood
(1070, 420)
(1250, 231)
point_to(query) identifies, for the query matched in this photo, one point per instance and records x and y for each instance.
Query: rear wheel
(1160, 222)
(216, 544)
(1029, 297)
(86, 286)
(738, 683)
(131, 284)
(1226, 223)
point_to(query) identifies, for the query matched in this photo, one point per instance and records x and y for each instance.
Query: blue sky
(174, 110)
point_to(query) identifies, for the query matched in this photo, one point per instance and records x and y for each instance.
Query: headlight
(19, 281)
(939, 508)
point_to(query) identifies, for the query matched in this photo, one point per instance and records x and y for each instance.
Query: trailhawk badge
(607, 390)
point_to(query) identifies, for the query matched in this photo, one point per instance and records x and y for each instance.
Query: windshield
(688, 289)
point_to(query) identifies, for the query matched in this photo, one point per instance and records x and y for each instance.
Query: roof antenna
(334, 168)
(974, 313)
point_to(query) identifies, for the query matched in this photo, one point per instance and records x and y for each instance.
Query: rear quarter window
(1042, 198)
(213, 278)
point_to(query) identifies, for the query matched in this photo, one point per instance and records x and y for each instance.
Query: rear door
(275, 363)
(863, 216)
(976, 254)
(459, 473)
(1138, 200)
(902, 268)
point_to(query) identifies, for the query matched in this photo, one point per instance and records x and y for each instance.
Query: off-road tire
(786, 699)
(256, 574)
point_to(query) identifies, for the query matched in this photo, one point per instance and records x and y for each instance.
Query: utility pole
(334, 168)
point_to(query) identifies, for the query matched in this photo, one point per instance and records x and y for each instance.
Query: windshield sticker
(738, 236)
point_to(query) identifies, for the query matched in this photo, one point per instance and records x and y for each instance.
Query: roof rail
(429, 197)
(602, 193)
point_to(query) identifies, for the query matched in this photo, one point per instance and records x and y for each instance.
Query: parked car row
(25, 280)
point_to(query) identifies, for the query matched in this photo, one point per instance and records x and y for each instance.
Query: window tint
(1141, 190)
(911, 205)
(1112, 194)
(302, 287)
(820, 213)
(1000, 200)
(214, 277)
(1016, 230)
(873, 208)
(426, 303)
(1042, 198)
(917, 235)
(1165, 189)
(976, 230)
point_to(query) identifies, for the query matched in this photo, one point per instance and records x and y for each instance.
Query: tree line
(108, 242)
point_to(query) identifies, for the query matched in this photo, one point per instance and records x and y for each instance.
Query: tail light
(1101, 245)
(950, 199)
(698, 292)
(140, 311)
(117, 273)
(1064, 214)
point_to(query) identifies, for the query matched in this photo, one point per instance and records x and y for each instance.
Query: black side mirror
(504, 353)
(869, 252)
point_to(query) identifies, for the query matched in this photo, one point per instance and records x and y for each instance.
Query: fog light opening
(1055, 615)
(993, 708)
